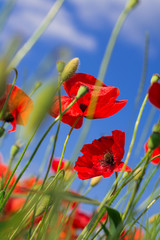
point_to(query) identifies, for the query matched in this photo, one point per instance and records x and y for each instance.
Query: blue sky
(82, 29)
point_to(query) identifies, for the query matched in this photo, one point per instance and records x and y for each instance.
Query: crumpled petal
(71, 115)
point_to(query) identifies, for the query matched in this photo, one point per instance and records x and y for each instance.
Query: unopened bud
(154, 140)
(153, 218)
(2, 130)
(82, 91)
(60, 66)
(125, 174)
(42, 204)
(70, 69)
(38, 84)
(137, 173)
(131, 4)
(155, 78)
(14, 150)
(95, 181)
(156, 128)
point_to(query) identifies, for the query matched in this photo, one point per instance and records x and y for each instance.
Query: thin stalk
(36, 35)
(65, 144)
(144, 211)
(58, 128)
(136, 187)
(36, 149)
(102, 72)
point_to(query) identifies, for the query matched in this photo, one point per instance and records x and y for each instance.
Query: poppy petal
(71, 115)
(154, 94)
(118, 146)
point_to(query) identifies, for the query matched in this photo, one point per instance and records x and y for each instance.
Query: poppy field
(55, 198)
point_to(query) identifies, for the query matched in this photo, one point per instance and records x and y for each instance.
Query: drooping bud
(60, 66)
(2, 130)
(154, 140)
(155, 78)
(42, 204)
(70, 69)
(137, 173)
(95, 181)
(82, 91)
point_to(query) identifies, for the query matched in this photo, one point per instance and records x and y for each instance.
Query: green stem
(144, 211)
(36, 35)
(130, 203)
(36, 149)
(58, 128)
(65, 144)
(102, 73)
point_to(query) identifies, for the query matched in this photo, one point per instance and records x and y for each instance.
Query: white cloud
(76, 17)
(28, 15)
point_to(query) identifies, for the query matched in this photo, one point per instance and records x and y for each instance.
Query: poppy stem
(65, 144)
(144, 211)
(33, 154)
(36, 35)
(130, 203)
(58, 128)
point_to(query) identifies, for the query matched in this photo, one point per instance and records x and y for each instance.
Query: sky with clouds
(85, 27)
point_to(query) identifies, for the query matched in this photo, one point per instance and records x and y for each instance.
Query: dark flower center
(108, 158)
(8, 117)
(83, 107)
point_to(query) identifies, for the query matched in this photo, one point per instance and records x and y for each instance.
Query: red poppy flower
(81, 219)
(18, 109)
(135, 234)
(154, 94)
(102, 157)
(13, 205)
(4, 170)
(155, 153)
(64, 165)
(102, 95)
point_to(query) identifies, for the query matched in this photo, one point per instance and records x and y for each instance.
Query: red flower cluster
(18, 109)
(102, 157)
(154, 94)
(102, 95)
(155, 153)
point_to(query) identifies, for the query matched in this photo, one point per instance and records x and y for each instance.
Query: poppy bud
(131, 4)
(2, 130)
(156, 128)
(38, 84)
(155, 78)
(14, 150)
(60, 66)
(70, 69)
(95, 181)
(154, 140)
(153, 218)
(82, 91)
(42, 204)
(137, 173)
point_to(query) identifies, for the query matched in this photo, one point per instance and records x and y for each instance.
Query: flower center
(8, 117)
(108, 158)
(83, 107)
